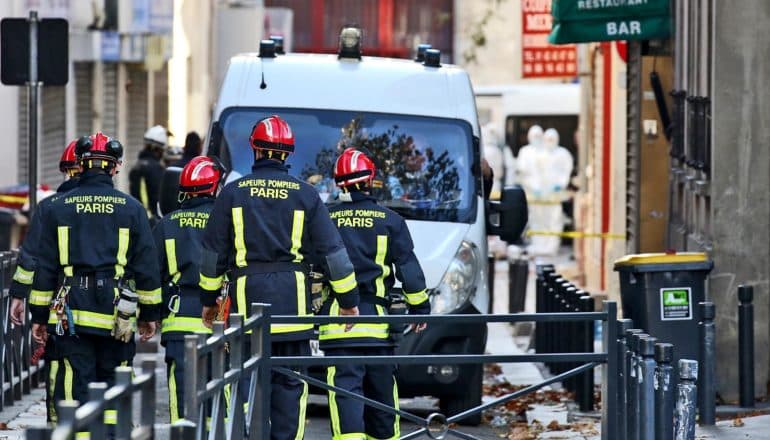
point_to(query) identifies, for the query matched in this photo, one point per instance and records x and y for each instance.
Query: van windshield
(424, 164)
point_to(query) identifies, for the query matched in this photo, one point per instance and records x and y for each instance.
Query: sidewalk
(752, 428)
(29, 411)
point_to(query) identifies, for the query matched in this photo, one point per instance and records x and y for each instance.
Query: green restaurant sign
(581, 21)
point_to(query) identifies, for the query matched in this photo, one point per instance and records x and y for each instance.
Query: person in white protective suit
(494, 157)
(547, 177)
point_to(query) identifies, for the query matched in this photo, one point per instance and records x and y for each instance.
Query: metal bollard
(541, 291)
(491, 282)
(585, 381)
(687, 394)
(746, 345)
(518, 272)
(632, 392)
(551, 297)
(646, 379)
(706, 381)
(572, 339)
(183, 430)
(664, 392)
(624, 325)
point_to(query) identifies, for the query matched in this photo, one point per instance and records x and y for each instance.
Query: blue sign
(110, 46)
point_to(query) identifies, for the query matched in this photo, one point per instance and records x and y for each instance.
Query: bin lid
(659, 262)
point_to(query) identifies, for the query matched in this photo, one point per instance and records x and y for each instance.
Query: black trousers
(175, 375)
(288, 395)
(53, 374)
(350, 418)
(88, 358)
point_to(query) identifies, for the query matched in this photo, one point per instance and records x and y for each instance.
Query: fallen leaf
(738, 422)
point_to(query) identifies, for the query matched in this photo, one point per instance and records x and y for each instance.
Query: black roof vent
(278, 40)
(432, 58)
(421, 48)
(267, 49)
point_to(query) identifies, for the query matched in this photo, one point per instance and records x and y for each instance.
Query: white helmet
(551, 138)
(156, 136)
(535, 135)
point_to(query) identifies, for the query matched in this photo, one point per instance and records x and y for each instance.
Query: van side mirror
(508, 217)
(168, 199)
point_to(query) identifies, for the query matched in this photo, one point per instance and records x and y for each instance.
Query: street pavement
(503, 339)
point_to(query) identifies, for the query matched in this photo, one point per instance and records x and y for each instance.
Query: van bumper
(442, 379)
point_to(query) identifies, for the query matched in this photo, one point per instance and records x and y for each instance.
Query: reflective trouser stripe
(379, 259)
(23, 276)
(52, 373)
(334, 412)
(110, 417)
(417, 298)
(149, 297)
(344, 285)
(184, 324)
(302, 409)
(144, 197)
(40, 297)
(123, 237)
(67, 380)
(63, 237)
(297, 226)
(239, 240)
(209, 283)
(173, 406)
(240, 295)
(301, 309)
(85, 318)
(173, 270)
(337, 331)
(397, 422)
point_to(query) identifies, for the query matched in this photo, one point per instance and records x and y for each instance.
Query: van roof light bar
(267, 49)
(432, 58)
(421, 48)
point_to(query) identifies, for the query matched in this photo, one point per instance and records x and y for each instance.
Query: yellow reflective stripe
(87, 319)
(351, 436)
(110, 417)
(337, 331)
(173, 270)
(209, 283)
(144, 197)
(149, 297)
(123, 236)
(84, 435)
(240, 243)
(63, 236)
(184, 324)
(297, 226)
(67, 380)
(40, 297)
(334, 411)
(344, 285)
(416, 298)
(301, 294)
(379, 259)
(68, 271)
(302, 409)
(53, 371)
(288, 328)
(397, 422)
(173, 406)
(240, 295)
(23, 276)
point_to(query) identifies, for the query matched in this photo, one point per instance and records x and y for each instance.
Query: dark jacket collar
(260, 164)
(68, 184)
(95, 178)
(357, 196)
(194, 202)
(147, 155)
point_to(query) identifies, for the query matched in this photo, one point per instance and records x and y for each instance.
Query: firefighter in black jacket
(144, 178)
(25, 270)
(95, 235)
(377, 240)
(178, 239)
(262, 229)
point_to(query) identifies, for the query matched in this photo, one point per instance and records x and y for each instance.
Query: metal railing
(17, 376)
(90, 417)
(212, 371)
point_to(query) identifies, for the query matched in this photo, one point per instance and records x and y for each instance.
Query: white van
(419, 121)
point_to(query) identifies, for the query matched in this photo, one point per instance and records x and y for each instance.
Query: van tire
(450, 406)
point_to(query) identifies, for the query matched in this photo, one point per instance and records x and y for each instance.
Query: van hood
(435, 244)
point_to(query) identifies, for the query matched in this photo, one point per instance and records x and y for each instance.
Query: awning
(581, 21)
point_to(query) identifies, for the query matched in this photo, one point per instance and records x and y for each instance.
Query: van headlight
(459, 282)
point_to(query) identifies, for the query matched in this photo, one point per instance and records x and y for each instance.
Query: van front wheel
(450, 406)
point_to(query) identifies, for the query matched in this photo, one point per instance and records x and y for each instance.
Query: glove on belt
(123, 329)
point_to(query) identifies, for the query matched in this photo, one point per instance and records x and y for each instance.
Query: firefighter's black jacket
(378, 241)
(95, 235)
(144, 181)
(263, 228)
(178, 239)
(26, 262)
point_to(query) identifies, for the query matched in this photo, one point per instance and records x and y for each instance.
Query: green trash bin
(661, 292)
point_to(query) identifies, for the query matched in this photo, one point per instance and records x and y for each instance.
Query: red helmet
(353, 167)
(272, 134)
(98, 151)
(69, 161)
(202, 175)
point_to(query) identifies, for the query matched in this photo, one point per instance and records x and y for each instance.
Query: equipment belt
(376, 300)
(255, 268)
